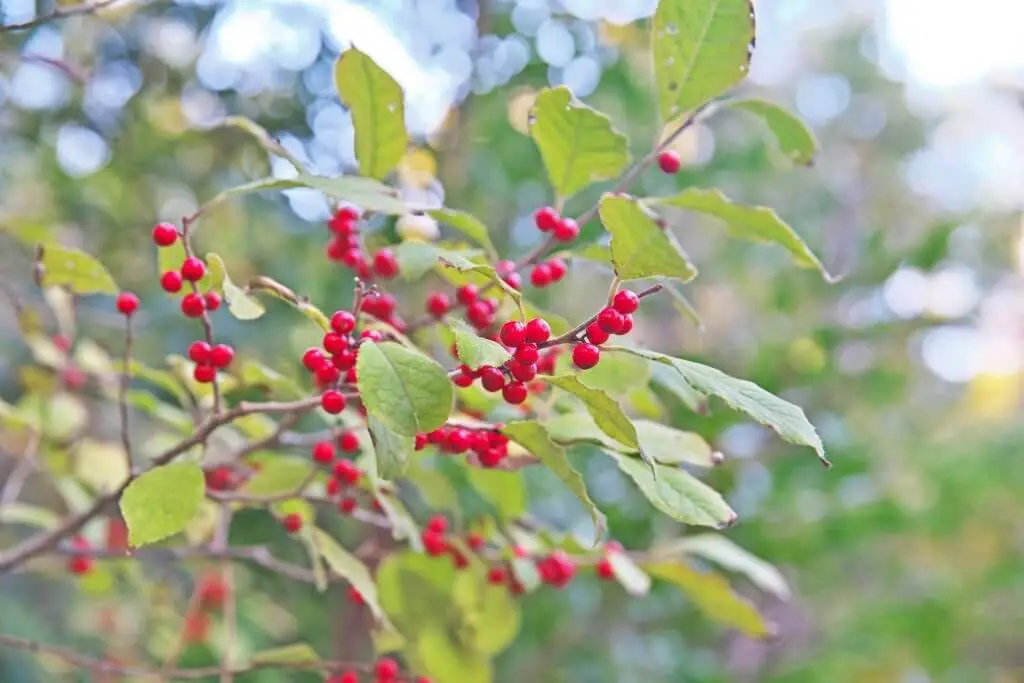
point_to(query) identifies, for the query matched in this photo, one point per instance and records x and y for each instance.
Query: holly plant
(361, 437)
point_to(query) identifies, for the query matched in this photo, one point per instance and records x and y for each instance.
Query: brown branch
(61, 13)
(575, 333)
(122, 395)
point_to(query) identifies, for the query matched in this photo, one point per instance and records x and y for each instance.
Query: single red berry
(348, 677)
(491, 378)
(420, 442)
(527, 354)
(171, 282)
(355, 597)
(372, 335)
(604, 569)
(343, 322)
(192, 305)
(558, 269)
(610, 320)
(385, 264)
(514, 393)
(345, 359)
(437, 524)
(625, 301)
(461, 379)
(332, 487)
(557, 569)
(204, 374)
(213, 591)
(459, 559)
(522, 373)
(467, 294)
(422, 679)
(627, 325)
(61, 342)
(164, 234)
(520, 552)
(479, 314)
(669, 162)
(538, 331)
(212, 301)
(323, 452)
(492, 457)
(596, 334)
(127, 303)
(292, 522)
(585, 356)
(433, 543)
(80, 565)
(332, 401)
(438, 304)
(567, 230)
(73, 377)
(327, 374)
(386, 668)
(496, 576)
(513, 280)
(193, 269)
(540, 276)
(335, 343)
(221, 356)
(348, 505)
(199, 352)
(458, 440)
(314, 359)
(349, 442)
(336, 249)
(504, 267)
(475, 541)
(513, 334)
(492, 304)
(347, 472)
(546, 218)
(350, 377)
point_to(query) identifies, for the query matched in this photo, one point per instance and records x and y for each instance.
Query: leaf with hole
(640, 248)
(375, 101)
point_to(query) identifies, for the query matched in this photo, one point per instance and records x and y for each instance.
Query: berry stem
(122, 394)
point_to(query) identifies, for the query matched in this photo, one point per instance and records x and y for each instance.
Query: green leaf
(701, 49)
(533, 437)
(468, 224)
(711, 594)
(416, 259)
(677, 493)
(240, 303)
(159, 378)
(728, 555)
(596, 252)
(794, 138)
(628, 574)
(641, 249)
(489, 615)
(578, 144)
(74, 269)
(377, 106)
(368, 193)
(667, 378)
(438, 654)
(391, 450)
(786, 419)
(408, 392)
(296, 653)
(605, 410)
(349, 567)
(615, 374)
(162, 501)
(506, 491)
(577, 427)
(474, 350)
(255, 374)
(672, 447)
(278, 475)
(33, 515)
(681, 303)
(414, 589)
(752, 223)
(482, 270)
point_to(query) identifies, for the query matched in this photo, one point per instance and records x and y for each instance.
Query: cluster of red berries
(562, 229)
(512, 379)
(209, 359)
(382, 305)
(338, 355)
(192, 270)
(489, 445)
(344, 247)
(548, 273)
(212, 591)
(344, 473)
(79, 565)
(385, 670)
(480, 311)
(616, 319)
(435, 542)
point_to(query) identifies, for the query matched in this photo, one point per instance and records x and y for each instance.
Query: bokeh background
(905, 560)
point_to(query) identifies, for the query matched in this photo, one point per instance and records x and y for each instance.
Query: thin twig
(122, 396)
(186, 241)
(61, 13)
(21, 472)
(575, 333)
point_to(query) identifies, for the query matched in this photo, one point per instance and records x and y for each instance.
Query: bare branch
(62, 13)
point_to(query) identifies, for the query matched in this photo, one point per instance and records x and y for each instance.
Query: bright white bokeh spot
(80, 150)
(906, 292)
(555, 44)
(952, 353)
(582, 76)
(952, 292)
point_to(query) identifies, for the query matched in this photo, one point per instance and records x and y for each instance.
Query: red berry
(343, 322)
(540, 276)
(567, 230)
(372, 335)
(433, 543)
(557, 569)
(538, 331)
(479, 314)
(437, 524)
(496, 576)
(332, 401)
(513, 333)
(546, 218)
(438, 304)
(323, 452)
(421, 442)
(458, 440)
(491, 378)
(522, 373)
(355, 597)
(467, 294)
(558, 269)
(462, 379)
(347, 677)
(625, 301)
(604, 569)
(513, 280)
(73, 377)
(61, 342)
(345, 359)
(386, 668)
(327, 374)
(504, 267)
(334, 342)
(348, 505)
(475, 541)
(385, 264)
(193, 269)
(514, 393)
(585, 356)
(127, 303)
(164, 234)
(349, 442)
(199, 352)
(204, 374)
(292, 522)
(627, 325)
(314, 359)
(171, 282)
(192, 305)
(80, 565)
(492, 304)
(221, 356)
(669, 162)
(332, 487)
(596, 334)
(347, 472)
(610, 320)
(336, 249)
(527, 354)
(212, 300)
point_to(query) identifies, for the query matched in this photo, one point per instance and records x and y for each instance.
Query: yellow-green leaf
(701, 49)
(404, 389)
(753, 223)
(726, 554)
(278, 475)
(474, 350)
(641, 249)
(240, 303)
(711, 594)
(468, 224)
(670, 446)
(377, 106)
(506, 491)
(74, 269)
(349, 567)
(416, 259)
(606, 411)
(392, 451)
(794, 139)
(296, 653)
(162, 501)
(578, 144)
